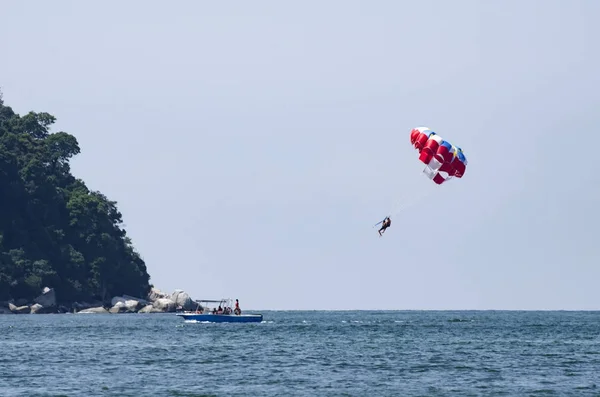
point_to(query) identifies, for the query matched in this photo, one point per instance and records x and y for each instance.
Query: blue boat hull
(222, 318)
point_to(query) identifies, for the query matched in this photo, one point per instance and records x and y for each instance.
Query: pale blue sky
(251, 146)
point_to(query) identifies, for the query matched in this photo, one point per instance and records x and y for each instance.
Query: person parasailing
(387, 222)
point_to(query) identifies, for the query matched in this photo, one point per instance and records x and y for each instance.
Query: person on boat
(387, 222)
(237, 309)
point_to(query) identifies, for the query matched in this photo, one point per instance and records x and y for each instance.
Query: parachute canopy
(442, 160)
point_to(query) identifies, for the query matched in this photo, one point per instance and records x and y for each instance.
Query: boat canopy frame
(224, 302)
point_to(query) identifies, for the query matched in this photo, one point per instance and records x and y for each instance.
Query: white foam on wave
(196, 322)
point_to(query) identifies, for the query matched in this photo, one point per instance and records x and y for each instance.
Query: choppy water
(303, 353)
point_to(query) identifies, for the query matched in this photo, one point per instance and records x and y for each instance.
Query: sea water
(306, 353)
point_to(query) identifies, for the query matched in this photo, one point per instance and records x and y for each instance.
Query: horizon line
(423, 310)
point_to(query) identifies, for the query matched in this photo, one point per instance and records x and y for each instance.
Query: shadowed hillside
(54, 231)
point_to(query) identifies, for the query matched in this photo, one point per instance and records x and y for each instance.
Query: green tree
(54, 231)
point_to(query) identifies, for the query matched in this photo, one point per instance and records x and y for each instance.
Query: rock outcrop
(125, 306)
(164, 305)
(156, 302)
(47, 299)
(19, 309)
(39, 309)
(133, 298)
(182, 300)
(94, 310)
(157, 294)
(150, 309)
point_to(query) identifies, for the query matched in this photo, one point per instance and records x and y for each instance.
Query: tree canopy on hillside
(54, 231)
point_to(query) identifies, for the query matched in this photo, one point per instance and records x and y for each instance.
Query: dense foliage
(54, 231)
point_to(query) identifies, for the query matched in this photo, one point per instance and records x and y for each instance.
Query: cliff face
(54, 231)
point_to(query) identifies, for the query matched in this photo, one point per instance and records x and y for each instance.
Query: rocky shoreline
(156, 302)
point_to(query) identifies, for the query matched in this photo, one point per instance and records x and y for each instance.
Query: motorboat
(218, 311)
